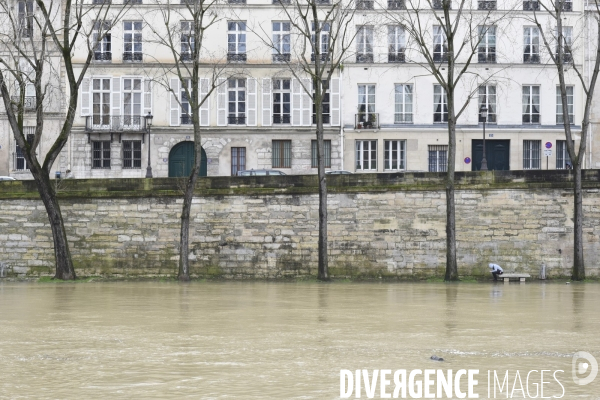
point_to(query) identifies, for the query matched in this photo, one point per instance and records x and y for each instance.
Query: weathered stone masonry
(266, 227)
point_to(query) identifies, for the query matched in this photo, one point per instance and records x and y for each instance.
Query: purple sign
(467, 160)
(548, 145)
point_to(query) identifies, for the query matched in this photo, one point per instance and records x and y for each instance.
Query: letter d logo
(579, 368)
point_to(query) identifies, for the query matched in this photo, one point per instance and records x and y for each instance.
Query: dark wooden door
(181, 160)
(497, 154)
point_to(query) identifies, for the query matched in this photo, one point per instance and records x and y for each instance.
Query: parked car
(340, 172)
(7, 178)
(259, 172)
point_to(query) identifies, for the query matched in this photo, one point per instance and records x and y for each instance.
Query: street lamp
(148, 126)
(483, 114)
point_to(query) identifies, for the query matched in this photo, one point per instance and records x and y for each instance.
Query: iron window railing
(396, 5)
(115, 123)
(365, 4)
(364, 58)
(241, 120)
(132, 56)
(397, 57)
(281, 58)
(366, 121)
(103, 56)
(531, 58)
(28, 102)
(531, 5)
(236, 57)
(486, 5)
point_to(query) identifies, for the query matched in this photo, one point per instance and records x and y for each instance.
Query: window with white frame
(396, 44)
(282, 95)
(403, 112)
(487, 98)
(326, 156)
(486, 48)
(236, 41)
(186, 109)
(440, 45)
(364, 44)
(281, 41)
(366, 106)
(25, 15)
(101, 154)
(101, 101)
(236, 101)
(531, 45)
(132, 154)
(132, 41)
(438, 158)
(440, 104)
(531, 104)
(394, 155)
(566, 39)
(563, 161)
(366, 155)
(188, 40)
(532, 154)
(132, 101)
(102, 39)
(320, 40)
(570, 107)
(20, 162)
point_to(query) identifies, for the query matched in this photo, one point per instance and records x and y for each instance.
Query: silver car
(7, 178)
(259, 172)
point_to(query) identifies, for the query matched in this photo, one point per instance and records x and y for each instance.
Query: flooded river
(259, 340)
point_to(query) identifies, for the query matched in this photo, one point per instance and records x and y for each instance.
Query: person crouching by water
(496, 270)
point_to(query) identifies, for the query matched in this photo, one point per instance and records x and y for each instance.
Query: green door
(497, 154)
(181, 160)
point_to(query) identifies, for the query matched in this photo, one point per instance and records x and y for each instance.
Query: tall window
(487, 44)
(132, 41)
(563, 161)
(101, 101)
(438, 158)
(396, 43)
(132, 101)
(186, 109)
(238, 160)
(559, 107)
(281, 101)
(20, 161)
(325, 104)
(487, 98)
(567, 5)
(25, 14)
(366, 155)
(364, 44)
(102, 38)
(403, 113)
(440, 46)
(326, 156)
(236, 41)
(531, 104)
(101, 154)
(532, 154)
(531, 45)
(132, 154)
(188, 40)
(395, 155)
(567, 42)
(320, 41)
(366, 104)
(440, 104)
(282, 154)
(281, 41)
(236, 92)
(531, 5)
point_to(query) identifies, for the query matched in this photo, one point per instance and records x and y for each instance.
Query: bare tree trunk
(578, 264)
(184, 237)
(323, 260)
(451, 266)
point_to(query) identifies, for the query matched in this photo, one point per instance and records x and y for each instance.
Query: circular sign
(467, 160)
(548, 145)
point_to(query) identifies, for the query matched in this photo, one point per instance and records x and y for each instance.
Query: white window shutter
(334, 96)
(222, 102)
(147, 96)
(175, 108)
(116, 98)
(251, 86)
(306, 103)
(296, 102)
(85, 97)
(205, 107)
(267, 115)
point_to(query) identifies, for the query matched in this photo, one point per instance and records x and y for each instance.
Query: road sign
(548, 145)
(548, 152)
(467, 160)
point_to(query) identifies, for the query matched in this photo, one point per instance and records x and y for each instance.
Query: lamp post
(148, 126)
(483, 113)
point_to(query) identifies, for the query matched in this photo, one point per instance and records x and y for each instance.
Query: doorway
(181, 160)
(497, 154)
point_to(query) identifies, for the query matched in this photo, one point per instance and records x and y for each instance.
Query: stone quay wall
(380, 225)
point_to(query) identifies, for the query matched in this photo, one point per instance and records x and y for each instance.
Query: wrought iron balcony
(185, 57)
(281, 119)
(486, 5)
(132, 56)
(102, 56)
(186, 119)
(28, 102)
(366, 121)
(486, 58)
(235, 57)
(364, 58)
(237, 1)
(396, 5)
(531, 58)
(241, 120)
(365, 4)
(397, 57)
(278, 58)
(101, 1)
(323, 2)
(439, 4)
(531, 5)
(323, 57)
(440, 57)
(282, 1)
(115, 123)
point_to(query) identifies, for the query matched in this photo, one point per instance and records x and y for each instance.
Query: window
(364, 4)
(236, 92)
(101, 101)
(440, 47)
(403, 113)
(438, 158)
(440, 104)
(531, 45)
(366, 155)
(238, 160)
(320, 40)
(487, 44)
(366, 106)
(188, 40)
(281, 41)
(186, 109)
(559, 108)
(282, 154)
(132, 41)
(326, 157)
(101, 154)
(531, 104)
(487, 98)
(132, 101)
(396, 44)
(281, 101)
(132, 154)
(567, 41)
(364, 43)
(102, 39)
(567, 5)
(25, 15)
(395, 155)
(486, 4)
(563, 161)
(236, 41)
(396, 5)
(532, 150)
(531, 5)
(20, 161)
(325, 104)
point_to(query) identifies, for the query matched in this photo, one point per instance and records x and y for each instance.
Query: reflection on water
(278, 341)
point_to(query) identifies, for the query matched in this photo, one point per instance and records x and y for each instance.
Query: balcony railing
(185, 57)
(278, 58)
(486, 5)
(397, 57)
(235, 57)
(132, 56)
(236, 120)
(531, 5)
(365, 4)
(102, 56)
(236, 1)
(366, 121)
(364, 58)
(439, 4)
(115, 123)
(281, 119)
(28, 102)
(396, 5)
(531, 58)
(186, 119)
(486, 58)
(566, 58)
(323, 57)
(437, 57)
(323, 2)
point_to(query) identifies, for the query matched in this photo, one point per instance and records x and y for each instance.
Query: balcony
(281, 119)
(366, 121)
(531, 58)
(102, 56)
(365, 4)
(232, 120)
(28, 103)
(280, 58)
(101, 1)
(396, 57)
(115, 123)
(439, 4)
(235, 57)
(531, 5)
(323, 57)
(364, 58)
(132, 56)
(323, 2)
(486, 5)
(486, 58)
(440, 57)
(396, 5)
